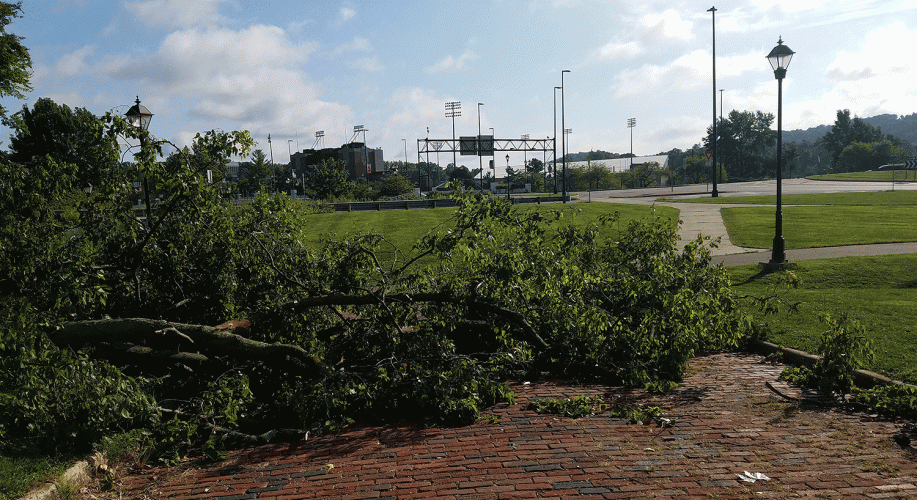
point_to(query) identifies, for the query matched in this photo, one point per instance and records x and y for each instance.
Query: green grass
(880, 292)
(403, 228)
(809, 227)
(873, 176)
(862, 198)
(20, 472)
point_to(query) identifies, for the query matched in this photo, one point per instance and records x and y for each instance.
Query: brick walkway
(726, 422)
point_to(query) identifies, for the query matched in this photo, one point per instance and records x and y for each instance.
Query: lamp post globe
(779, 58)
(139, 116)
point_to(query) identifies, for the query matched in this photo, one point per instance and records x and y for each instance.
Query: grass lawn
(822, 226)
(873, 176)
(19, 473)
(880, 292)
(403, 228)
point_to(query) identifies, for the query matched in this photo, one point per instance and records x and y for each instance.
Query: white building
(621, 164)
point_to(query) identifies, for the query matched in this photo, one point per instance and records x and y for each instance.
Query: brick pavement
(726, 422)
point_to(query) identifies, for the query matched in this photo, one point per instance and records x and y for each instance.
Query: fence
(364, 206)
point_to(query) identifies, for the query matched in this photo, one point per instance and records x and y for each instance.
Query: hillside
(902, 127)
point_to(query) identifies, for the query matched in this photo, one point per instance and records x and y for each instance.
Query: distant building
(232, 171)
(360, 161)
(622, 164)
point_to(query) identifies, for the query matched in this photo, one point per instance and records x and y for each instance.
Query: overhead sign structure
(484, 145)
(468, 145)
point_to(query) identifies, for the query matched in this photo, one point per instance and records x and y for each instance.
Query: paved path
(726, 422)
(707, 220)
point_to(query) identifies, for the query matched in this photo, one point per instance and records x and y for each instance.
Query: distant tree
(327, 180)
(862, 156)
(459, 173)
(845, 132)
(256, 173)
(15, 62)
(68, 135)
(745, 143)
(534, 178)
(393, 185)
(696, 170)
(535, 166)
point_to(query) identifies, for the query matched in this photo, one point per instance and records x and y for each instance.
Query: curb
(863, 378)
(78, 474)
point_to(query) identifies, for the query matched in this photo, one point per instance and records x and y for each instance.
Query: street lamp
(139, 116)
(562, 125)
(631, 123)
(779, 58)
(507, 176)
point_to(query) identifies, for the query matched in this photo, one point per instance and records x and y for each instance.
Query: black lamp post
(507, 176)
(138, 116)
(779, 58)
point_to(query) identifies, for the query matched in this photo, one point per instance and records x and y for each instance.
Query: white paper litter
(750, 477)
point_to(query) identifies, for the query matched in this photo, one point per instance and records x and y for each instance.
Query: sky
(293, 68)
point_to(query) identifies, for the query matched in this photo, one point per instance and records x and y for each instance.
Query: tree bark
(159, 334)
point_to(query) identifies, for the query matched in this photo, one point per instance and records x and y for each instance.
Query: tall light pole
(554, 165)
(721, 122)
(139, 117)
(567, 132)
(453, 109)
(405, 141)
(716, 172)
(631, 123)
(562, 125)
(779, 58)
(525, 158)
(271, 147)
(480, 165)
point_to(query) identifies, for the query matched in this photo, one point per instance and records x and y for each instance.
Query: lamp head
(139, 116)
(779, 58)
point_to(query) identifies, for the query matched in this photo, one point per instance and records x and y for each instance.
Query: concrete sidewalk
(706, 219)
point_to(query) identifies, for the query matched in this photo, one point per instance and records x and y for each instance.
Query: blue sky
(291, 68)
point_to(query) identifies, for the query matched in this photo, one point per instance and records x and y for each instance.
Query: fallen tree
(107, 317)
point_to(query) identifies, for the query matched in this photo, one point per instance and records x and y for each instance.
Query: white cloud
(682, 73)
(182, 13)
(618, 50)
(667, 24)
(874, 80)
(73, 63)
(248, 79)
(687, 72)
(347, 14)
(369, 64)
(358, 44)
(451, 63)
